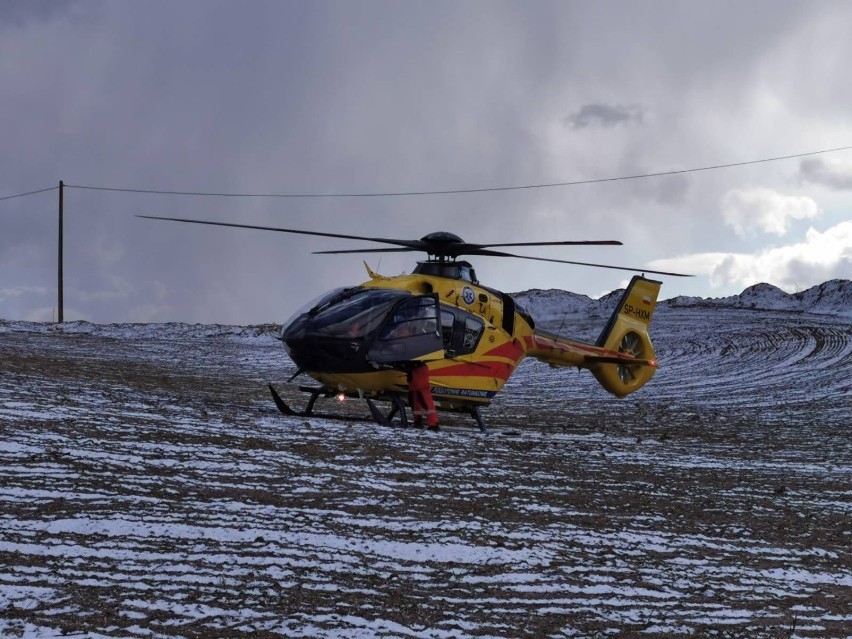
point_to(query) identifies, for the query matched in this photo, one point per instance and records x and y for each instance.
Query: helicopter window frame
(412, 318)
(474, 327)
(464, 335)
(466, 272)
(411, 332)
(448, 323)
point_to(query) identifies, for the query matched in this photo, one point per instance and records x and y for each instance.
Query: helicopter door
(411, 331)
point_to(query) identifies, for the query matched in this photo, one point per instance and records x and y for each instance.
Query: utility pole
(61, 314)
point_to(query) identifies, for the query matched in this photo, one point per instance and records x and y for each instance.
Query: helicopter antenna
(561, 325)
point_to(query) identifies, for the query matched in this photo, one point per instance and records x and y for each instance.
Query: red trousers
(422, 404)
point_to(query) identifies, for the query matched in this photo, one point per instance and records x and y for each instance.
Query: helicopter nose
(315, 353)
(311, 350)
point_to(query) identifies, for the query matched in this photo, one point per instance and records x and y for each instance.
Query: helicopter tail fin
(627, 331)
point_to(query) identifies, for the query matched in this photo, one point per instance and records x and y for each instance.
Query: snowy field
(149, 488)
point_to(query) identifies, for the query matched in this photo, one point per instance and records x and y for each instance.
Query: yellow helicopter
(438, 340)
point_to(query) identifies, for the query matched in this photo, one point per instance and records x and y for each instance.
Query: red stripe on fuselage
(500, 370)
(510, 350)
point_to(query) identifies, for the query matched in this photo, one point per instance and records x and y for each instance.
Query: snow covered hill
(166, 330)
(829, 298)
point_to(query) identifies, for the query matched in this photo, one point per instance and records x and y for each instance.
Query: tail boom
(623, 358)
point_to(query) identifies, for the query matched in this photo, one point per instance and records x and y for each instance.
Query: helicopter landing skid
(398, 407)
(474, 412)
(375, 414)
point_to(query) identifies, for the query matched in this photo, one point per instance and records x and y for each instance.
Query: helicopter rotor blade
(490, 253)
(568, 243)
(374, 250)
(454, 249)
(446, 245)
(411, 244)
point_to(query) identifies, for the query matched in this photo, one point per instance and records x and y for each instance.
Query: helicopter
(437, 340)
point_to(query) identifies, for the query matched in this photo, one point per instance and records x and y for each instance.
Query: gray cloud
(605, 115)
(831, 174)
(20, 13)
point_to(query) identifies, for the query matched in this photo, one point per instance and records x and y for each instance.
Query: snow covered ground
(148, 488)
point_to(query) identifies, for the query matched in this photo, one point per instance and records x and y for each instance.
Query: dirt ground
(149, 488)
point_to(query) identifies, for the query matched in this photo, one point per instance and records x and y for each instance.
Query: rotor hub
(443, 244)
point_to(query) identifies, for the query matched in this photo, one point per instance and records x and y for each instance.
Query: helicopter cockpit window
(413, 318)
(355, 315)
(333, 297)
(315, 304)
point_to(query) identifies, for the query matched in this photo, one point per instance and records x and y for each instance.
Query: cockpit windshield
(316, 302)
(352, 313)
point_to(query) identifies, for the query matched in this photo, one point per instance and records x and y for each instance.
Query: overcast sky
(360, 97)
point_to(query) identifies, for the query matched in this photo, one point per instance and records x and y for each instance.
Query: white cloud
(820, 257)
(764, 209)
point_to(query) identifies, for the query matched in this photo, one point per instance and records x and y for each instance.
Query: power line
(457, 191)
(9, 197)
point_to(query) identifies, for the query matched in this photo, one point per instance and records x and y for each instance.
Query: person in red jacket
(420, 397)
